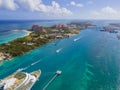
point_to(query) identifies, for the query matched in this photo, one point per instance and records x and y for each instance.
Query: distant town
(112, 28)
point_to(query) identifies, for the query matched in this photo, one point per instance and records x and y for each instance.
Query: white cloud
(8, 4)
(72, 3)
(90, 2)
(108, 10)
(31, 5)
(54, 8)
(35, 5)
(106, 13)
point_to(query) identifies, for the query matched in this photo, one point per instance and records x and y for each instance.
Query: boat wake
(20, 69)
(26, 68)
(35, 62)
(76, 39)
(57, 51)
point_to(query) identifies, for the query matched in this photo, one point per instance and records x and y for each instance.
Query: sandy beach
(28, 32)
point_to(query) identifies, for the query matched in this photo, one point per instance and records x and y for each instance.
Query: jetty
(58, 72)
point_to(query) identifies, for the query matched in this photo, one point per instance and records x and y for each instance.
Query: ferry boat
(20, 81)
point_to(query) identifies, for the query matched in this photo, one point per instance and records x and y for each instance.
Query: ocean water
(91, 63)
(11, 35)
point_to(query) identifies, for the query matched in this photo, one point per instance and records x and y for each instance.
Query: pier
(58, 72)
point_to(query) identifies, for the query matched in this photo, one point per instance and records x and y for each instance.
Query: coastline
(7, 56)
(23, 33)
(2, 58)
(27, 32)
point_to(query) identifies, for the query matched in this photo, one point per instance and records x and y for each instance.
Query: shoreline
(2, 57)
(42, 40)
(27, 32)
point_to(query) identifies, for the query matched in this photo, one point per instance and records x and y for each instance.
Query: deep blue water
(91, 63)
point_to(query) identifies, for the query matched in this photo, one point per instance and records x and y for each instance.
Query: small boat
(76, 39)
(58, 72)
(57, 51)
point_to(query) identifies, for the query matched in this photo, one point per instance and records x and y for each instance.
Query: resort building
(38, 28)
(60, 26)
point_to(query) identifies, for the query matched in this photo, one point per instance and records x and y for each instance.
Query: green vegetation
(20, 75)
(35, 39)
(25, 44)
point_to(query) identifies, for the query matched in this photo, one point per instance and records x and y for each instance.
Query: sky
(59, 9)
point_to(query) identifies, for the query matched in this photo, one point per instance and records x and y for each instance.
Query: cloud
(107, 13)
(31, 5)
(34, 6)
(72, 3)
(8, 4)
(90, 2)
(54, 8)
(109, 10)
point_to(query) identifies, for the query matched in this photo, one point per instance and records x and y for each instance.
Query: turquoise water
(11, 35)
(91, 63)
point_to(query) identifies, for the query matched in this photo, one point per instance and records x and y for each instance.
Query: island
(20, 81)
(40, 35)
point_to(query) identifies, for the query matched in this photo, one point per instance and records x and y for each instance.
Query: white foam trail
(35, 62)
(76, 39)
(26, 68)
(20, 69)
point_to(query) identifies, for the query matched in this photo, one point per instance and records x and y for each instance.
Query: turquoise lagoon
(91, 63)
(11, 35)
